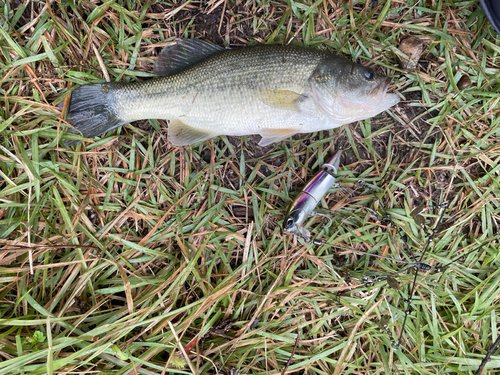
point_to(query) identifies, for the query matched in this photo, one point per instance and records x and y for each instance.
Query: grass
(138, 247)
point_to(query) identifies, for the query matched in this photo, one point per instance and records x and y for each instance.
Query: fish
(205, 91)
(306, 201)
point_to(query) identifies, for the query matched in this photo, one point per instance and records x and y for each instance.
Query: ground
(139, 247)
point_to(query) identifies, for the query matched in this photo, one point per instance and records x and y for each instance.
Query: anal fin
(275, 135)
(181, 134)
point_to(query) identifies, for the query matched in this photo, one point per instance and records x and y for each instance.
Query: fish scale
(274, 91)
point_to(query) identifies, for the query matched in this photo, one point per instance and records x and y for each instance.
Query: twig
(38, 247)
(488, 355)
(291, 355)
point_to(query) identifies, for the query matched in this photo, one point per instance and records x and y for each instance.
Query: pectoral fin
(280, 98)
(275, 135)
(181, 134)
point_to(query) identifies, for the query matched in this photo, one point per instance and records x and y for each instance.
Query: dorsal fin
(182, 54)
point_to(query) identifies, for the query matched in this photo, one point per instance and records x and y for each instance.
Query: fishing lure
(303, 206)
(307, 200)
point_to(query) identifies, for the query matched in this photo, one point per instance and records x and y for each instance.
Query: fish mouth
(380, 98)
(379, 89)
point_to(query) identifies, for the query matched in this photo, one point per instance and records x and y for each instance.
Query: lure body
(307, 200)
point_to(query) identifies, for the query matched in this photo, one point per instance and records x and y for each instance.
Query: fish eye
(289, 223)
(368, 73)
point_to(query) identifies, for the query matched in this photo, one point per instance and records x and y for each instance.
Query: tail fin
(92, 110)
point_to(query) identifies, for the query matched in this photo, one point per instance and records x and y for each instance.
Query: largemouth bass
(206, 91)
